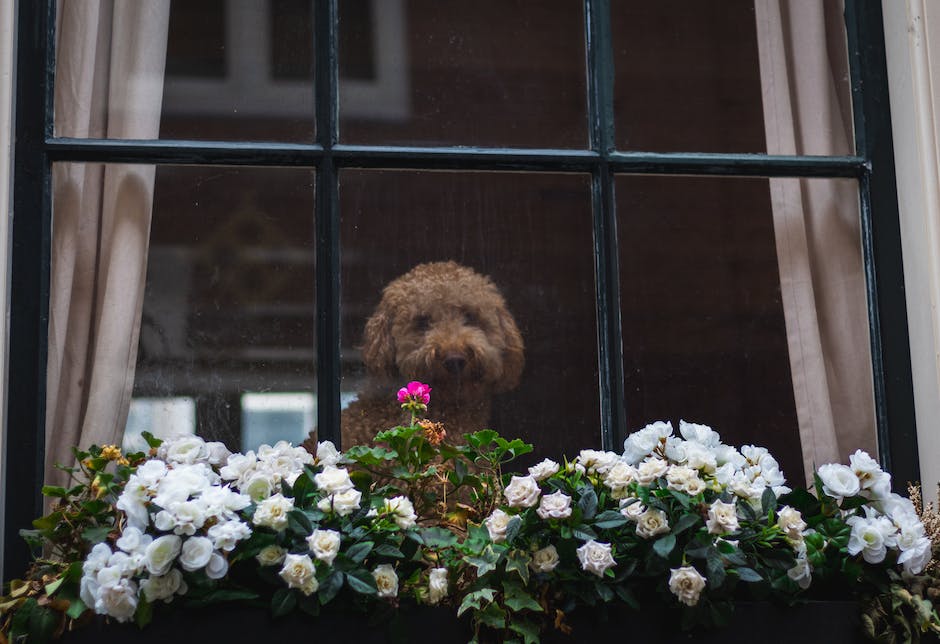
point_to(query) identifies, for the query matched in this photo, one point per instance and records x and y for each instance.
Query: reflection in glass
(709, 336)
(531, 235)
(229, 302)
(690, 78)
(489, 72)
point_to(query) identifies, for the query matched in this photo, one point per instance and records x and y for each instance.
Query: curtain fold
(110, 60)
(817, 227)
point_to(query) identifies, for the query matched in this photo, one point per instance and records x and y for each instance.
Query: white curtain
(816, 222)
(110, 60)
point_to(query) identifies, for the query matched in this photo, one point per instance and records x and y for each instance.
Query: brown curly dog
(445, 325)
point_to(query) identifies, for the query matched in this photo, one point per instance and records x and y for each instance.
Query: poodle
(448, 326)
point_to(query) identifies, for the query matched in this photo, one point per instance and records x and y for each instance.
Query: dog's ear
(378, 350)
(513, 353)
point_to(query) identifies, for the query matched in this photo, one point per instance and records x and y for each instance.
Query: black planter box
(830, 622)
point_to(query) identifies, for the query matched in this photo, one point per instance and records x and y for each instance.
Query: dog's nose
(455, 363)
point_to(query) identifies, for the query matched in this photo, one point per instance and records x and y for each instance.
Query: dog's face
(444, 324)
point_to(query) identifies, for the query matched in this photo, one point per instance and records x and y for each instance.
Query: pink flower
(415, 392)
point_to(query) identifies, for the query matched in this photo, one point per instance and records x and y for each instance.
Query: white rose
(188, 516)
(801, 572)
(299, 572)
(324, 544)
(596, 557)
(161, 553)
(333, 479)
(88, 590)
(239, 466)
(150, 472)
(728, 455)
(701, 434)
(555, 506)
(196, 553)
(916, 556)
(271, 555)
(402, 511)
(640, 444)
(544, 560)
(722, 517)
(386, 580)
(259, 486)
(839, 481)
(186, 450)
(217, 566)
(687, 584)
(272, 512)
(870, 536)
(164, 521)
(598, 461)
(327, 454)
(619, 477)
(162, 587)
(133, 540)
(699, 457)
(651, 523)
(684, 479)
(632, 509)
(227, 534)
(133, 501)
(343, 503)
(791, 523)
(118, 600)
(437, 585)
(544, 470)
(650, 470)
(522, 492)
(217, 453)
(97, 559)
(497, 524)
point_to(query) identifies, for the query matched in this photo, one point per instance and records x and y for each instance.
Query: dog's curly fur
(446, 325)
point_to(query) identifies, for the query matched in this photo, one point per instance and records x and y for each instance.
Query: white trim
(912, 39)
(7, 44)
(249, 90)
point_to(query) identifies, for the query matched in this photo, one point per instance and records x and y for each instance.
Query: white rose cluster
(180, 517)
(697, 460)
(258, 474)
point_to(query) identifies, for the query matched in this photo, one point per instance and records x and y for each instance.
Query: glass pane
(213, 69)
(445, 324)
(489, 73)
(710, 335)
(748, 77)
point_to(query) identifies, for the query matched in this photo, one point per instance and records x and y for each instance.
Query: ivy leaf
(518, 561)
(282, 602)
(493, 616)
(475, 600)
(665, 545)
(97, 534)
(438, 537)
(485, 562)
(517, 599)
(525, 628)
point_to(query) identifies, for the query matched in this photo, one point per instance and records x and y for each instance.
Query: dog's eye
(470, 318)
(422, 322)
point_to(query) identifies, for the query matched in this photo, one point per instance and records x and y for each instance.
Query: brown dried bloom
(433, 432)
(930, 517)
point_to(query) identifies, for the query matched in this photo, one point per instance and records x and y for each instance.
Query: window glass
(433, 236)
(489, 72)
(228, 311)
(705, 322)
(689, 77)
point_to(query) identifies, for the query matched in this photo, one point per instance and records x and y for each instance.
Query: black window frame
(36, 148)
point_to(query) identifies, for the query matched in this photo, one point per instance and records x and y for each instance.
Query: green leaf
(610, 519)
(438, 537)
(584, 533)
(475, 599)
(152, 441)
(144, 613)
(626, 596)
(684, 499)
(360, 551)
(485, 562)
(517, 598)
(54, 586)
(768, 501)
(513, 528)
(493, 616)
(54, 491)
(588, 503)
(42, 624)
(76, 608)
(283, 602)
(664, 545)
(299, 523)
(361, 581)
(96, 535)
(603, 591)
(716, 569)
(685, 522)
(330, 586)
(748, 574)
(388, 550)
(221, 595)
(528, 630)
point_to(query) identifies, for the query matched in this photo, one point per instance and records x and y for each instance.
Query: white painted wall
(912, 34)
(7, 42)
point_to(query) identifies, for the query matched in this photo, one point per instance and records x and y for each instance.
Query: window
(626, 208)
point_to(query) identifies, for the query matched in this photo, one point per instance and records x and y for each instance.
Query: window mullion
(326, 47)
(607, 277)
